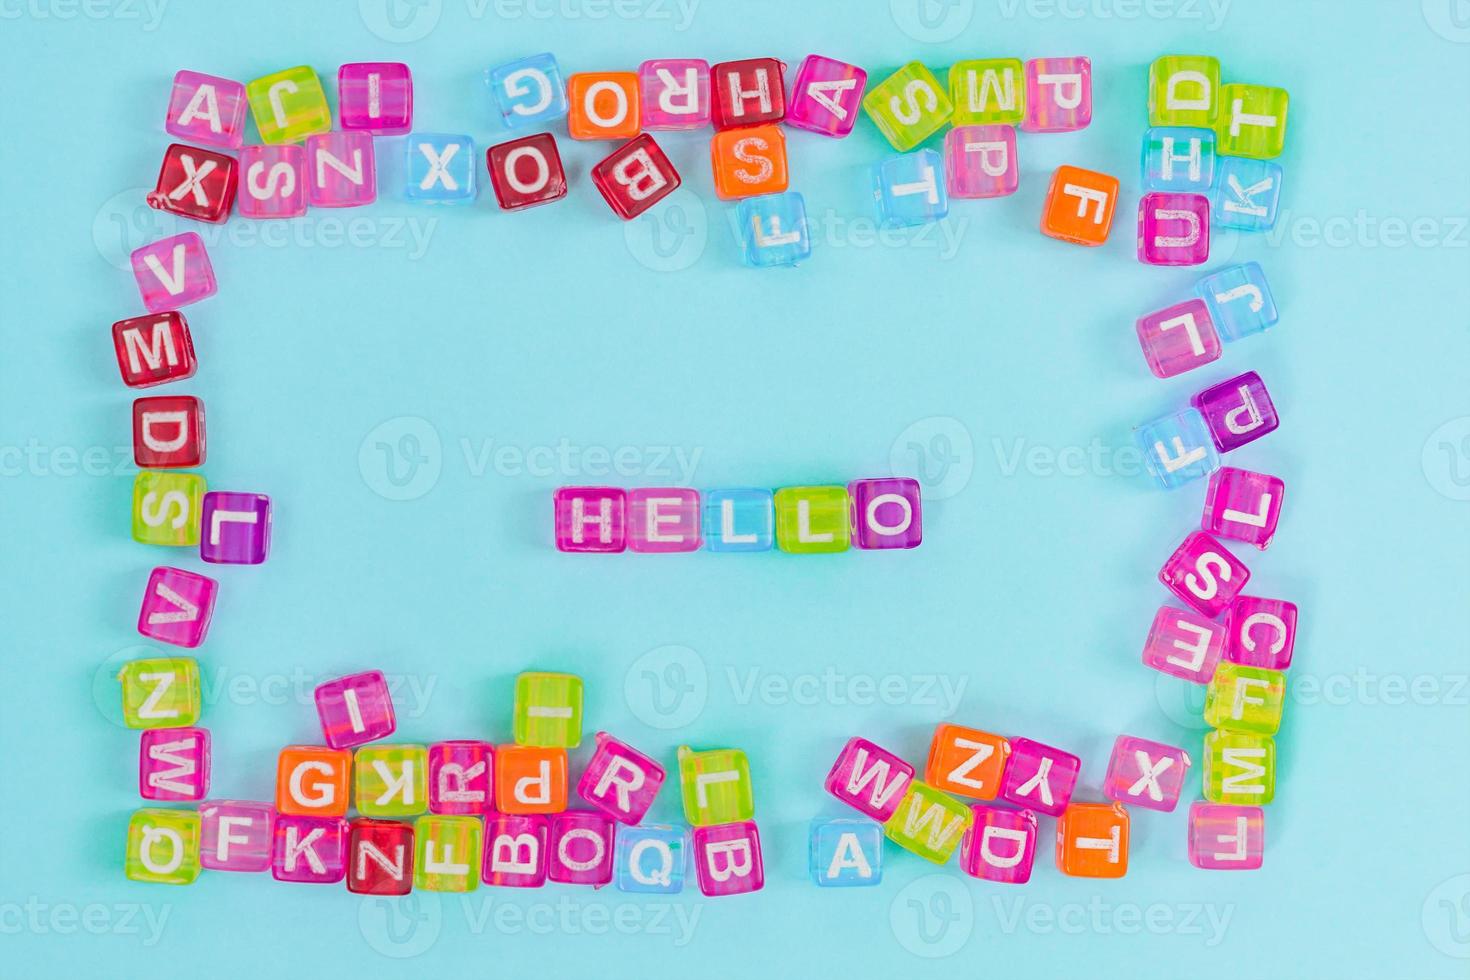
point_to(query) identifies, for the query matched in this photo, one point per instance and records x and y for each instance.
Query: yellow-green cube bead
(160, 692)
(163, 846)
(1252, 121)
(1184, 90)
(289, 106)
(928, 822)
(908, 106)
(391, 780)
(1239, 768)
(988, 92)
(716, 786)
(1245, 699)
(548, 710)
(167, 507)
(812, 520)
(446, 853)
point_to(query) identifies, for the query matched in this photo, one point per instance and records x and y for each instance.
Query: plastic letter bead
(988, 91)
(379, 857)
(235, 835)
(440, 168)
(1245, 699)
(869, 778)
(1092, 840)
(548, 710)
(1243, 505)
(173, 272)
(289, 106)
(749, 161)
(908, 106)
(177, 606)
(727, 859)
(168, 431)
(1226, 838)
(461, 777)
(811, 520)
(1239, 768)
(237, 528)
(980, 161)
(312, 780)
(528, 92)
(1177, 448)
(391, 780)
(1252, 121)
(1039, 776)
(966, 761)
(619, 780)
(846, 853)
(163, 846)
(515, 851)
(526, 172)
(650, 860)
(1247, 194)
(1178, 338)
(206, 109)
(825, 96)
(1173, 229)
(375, 97)
(311, 850)
(447, 853)
(773, 230)
(1144, 773)
(1058, 95)
(1204, 574)
(928, 823)
(1000, 845)
(675, 93)
(1079, 206)
(1237, 411)
(1260, 632)
(580, 848)
(1184, 644)
(603, 105)
(341, 170)
(160, 692)
(747, 93)
(1239, 300)
(886, 513)
(1178, 159)
(715, 785)
(154, 349)
(635, 177)
(910, 189)
(355, 709)
(1183, 90)
(195, 183)
(663, 520)
(530, 779)
(739, 520)
(272, 182)
(166, 508)
(173, 764)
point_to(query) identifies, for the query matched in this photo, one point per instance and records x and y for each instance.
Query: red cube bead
(195, 183)
(154, 349)
(747, 93)
(635, 177)
(168, 431)
(526, 172)
(379, 857)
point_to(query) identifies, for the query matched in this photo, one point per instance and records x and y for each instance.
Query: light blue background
(1007, 358)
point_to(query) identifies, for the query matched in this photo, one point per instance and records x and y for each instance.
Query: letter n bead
(206, 109)
(869, 778)
(886, 513)
(619, 780)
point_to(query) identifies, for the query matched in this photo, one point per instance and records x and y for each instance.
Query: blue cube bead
(1247, 194)
(650, 859)
(846, 853)
(1179, 159)
(1239, 300)
(439, 168)
(773, 230)
(529, 92)
(1177, 448)
(739, 520)
(910, 189)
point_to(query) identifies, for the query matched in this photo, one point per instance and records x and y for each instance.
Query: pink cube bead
(1184, 644)
(1223, 837)
(619, 780)
(1039, 776)
(663, 520)
(235, 835)
(272, 181)
(826, 96)
(981, 161)
(177, 606)
(1260, 632)
(461, 777)
(1178, 338)
(1237, 411)
(312, 850)
(1146, 774)
(1058, 95)
(580, 848)
(236, 528)
(1000, 845)
(515, 850)
(375, 97)
(1173, 229)
(341, 172)
(675, 93)
(1204, 574)
(869, 778)
(1243, 505)
(727, 859)
(355, 709)
(206, 109)
(173, 764)
(591, 519)
(173, 272)
(885, 513)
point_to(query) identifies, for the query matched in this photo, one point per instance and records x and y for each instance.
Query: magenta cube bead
(580, 848)
(375, 97)
(272, 181)
(515, 850)
(236, 528)
(1243, 505)
(173, 272)
(1223, 837)
(591, 519)
(727, 859)
(1260, 632)
(235, 835)
(826, 96)
(1184, 644)
(1000, 845)
(1178, 338)
(1204, 574)
(341, 172)
(1039, 776)
(207, 110)
(1058, 95)
(173, 764)
(355, 709)
(309, 849)
(885, 513)
(1173, 229)
(674, 93)
(869, 778)
(662, 520)
(619, 780)
(1237, 411)
(461, 777)
(981, 161)
(1144, 773)
(177, 606)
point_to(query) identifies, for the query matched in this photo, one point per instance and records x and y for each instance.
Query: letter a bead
(826, 96)
(846, 853)
(206, 109)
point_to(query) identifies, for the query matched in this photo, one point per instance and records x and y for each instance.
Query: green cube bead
(908, 106)
(1239, 768)
(548, 710)
(1245, 699)
(391, 780)
(446, 853)
(160, 692)
(167, 507)
(812, 520)
(928, 822)
(1184, 90)
(163, 846)
(1252, 121)
(289, 106)
(716, 786)
(989, 91)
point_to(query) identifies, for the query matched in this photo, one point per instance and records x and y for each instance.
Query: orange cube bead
(530, 779)
(312, 780)
(1079, 206)
(749, 161)
(1092, 840)
(966, 761)
(603, 105)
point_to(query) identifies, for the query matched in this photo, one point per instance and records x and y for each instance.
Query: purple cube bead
(1243, 505)
(1260, 632)
(206, 109)
(1237, 411)
(235, 835)
(236, 528)
(309, 849)
(1173, 229)
(1223, 837)
(1144, 773)
(580, 848)
(355, 709)
(1039, 776)
(886, 513)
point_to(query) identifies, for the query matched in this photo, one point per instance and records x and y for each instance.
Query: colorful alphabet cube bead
(195, 183)
(312, 780)
(773, 230)
(980, 161)
(355, 709)
(167, 507)
(1178, 338)
(163, 846)
(1000, 845)
(236, 835)
(727, 859)
(1079, 206)
(909, 106)
(1184, 644)
(1144, 773)
(528, 92)
(1239, 300)
(749, 161)
(619, 780)
(928, 823)
(391, 780)
(603, 105)
(1177, 448)
(173, 764)
(515, 850)
(379, 857)
(1178, 159)
(739, 520)
(447, 853)
(988, 92)
(1173, 229)
(461, 777)
(289, 105)
(1239, 768)
(1039, 776)
(846, 853)
(650, 859)
(530, 779)
(826, 96)
(526, 172)
(341, 168)
(869, 778)
(1260, 632)
(635, 177)
(440, 168)
(177, 606)
(663, 520)
(154, 349)
(580, 848)
(910, 189)
(173, 272)
(206, 109)
(1183, 90)
(715, 786)
(1058, 95)
(886, 513)
(675, 93)
(548, 710)
(375, 97)
(811, 520)
(1252, 121)
(747, 93)
(310, 850)
(160, 692)
(1204, 574)
(237, 528)
(1243, 505)
(1245, 699)
(272, 182)
(1226, 838)
(966, 761)
(168, 431)
(1247, 194)
(1092, 840)
(1237, 411)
